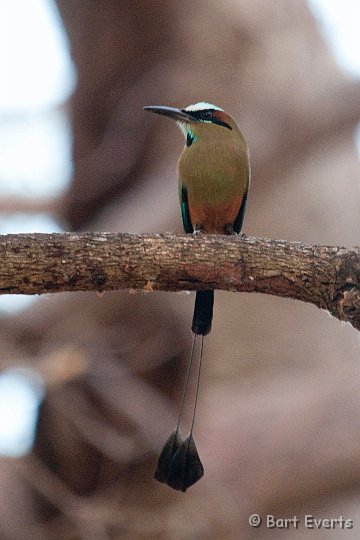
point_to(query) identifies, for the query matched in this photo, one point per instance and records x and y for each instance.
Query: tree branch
(328, 277)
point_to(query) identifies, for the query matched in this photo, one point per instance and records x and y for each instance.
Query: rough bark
(326, 276)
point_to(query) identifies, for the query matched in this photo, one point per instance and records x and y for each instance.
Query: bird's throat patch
(190, 138)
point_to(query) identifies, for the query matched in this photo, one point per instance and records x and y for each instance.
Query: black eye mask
(207, 115)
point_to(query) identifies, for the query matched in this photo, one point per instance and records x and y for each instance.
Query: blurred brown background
(278, 425)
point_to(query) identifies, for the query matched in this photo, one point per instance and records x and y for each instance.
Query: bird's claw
(229, 229)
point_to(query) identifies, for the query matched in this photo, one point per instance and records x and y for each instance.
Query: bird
(213, 183)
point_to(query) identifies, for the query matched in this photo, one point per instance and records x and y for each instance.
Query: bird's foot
(198, 229)
(229, 229)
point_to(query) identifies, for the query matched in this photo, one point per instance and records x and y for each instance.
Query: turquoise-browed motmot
(214, 175)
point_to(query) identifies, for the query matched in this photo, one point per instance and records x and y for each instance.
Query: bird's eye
(206, 115)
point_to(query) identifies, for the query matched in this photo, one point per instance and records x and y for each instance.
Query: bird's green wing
(185, 214)
(240, 217)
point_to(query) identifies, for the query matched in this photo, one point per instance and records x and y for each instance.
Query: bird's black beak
(176, 114)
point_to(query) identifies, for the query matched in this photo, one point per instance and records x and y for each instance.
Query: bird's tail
(203, 312)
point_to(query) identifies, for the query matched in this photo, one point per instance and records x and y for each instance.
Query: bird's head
(200, 121)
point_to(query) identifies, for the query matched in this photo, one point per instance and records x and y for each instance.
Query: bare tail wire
(197, 385)
(186, 382)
